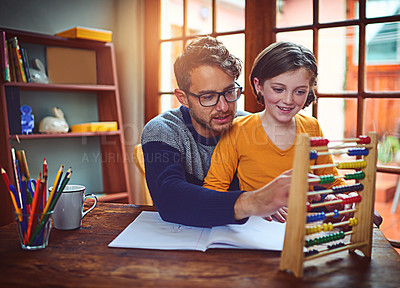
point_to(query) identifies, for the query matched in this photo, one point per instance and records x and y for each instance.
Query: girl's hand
(278, 216)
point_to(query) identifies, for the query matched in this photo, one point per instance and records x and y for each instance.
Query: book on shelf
(13, 109)
(13, 76)
(25, 62)
(4, 57)
(17, 58)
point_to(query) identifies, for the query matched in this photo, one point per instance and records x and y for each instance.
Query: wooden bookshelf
(115, 180)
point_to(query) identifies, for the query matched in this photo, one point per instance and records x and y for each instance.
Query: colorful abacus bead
(311, 252)
(353, 221)
(325, 239)
(356, 175)
(347, 188)
(335, 246)
(313, 154)
(324, 179)
(362, 151)
(316, 217)
(318, 141)
(308, 207)
(327, 227)
(364, 140)
(335, 213)
(357, 164)
(352, 199)
(313, 229)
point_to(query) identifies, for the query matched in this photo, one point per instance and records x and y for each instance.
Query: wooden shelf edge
(54, 40)
(113, 197)
(388, 169)
(63, 135)
(61, 87)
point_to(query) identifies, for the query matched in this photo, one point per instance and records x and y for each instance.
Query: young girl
(261, 146)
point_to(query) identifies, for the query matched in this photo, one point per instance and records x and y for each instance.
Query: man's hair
(204, 51)
(283, 57)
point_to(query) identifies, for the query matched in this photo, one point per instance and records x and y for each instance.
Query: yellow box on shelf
(95, 127)
(87, 33)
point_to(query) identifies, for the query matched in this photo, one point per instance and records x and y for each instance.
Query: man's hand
(264, 201)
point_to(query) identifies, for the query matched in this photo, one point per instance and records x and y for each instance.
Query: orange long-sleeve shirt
(247, 149)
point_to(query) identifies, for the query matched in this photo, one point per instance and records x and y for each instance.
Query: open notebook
(149, 231)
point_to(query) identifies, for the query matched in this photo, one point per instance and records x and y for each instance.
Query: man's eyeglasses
(211, 99)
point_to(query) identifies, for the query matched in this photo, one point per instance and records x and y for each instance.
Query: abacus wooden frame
(292, 257)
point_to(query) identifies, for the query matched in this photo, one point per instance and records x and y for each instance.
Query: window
(356, 42)
(183, 20)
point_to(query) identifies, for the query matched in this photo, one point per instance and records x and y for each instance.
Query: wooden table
(81, 258)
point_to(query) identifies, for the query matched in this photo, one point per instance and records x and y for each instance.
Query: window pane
(240, 103)
(169, 52)
(230, 15)
(383, 41)
(337, 61)
(171, 18)
(384, 118)
(199, 17)
(337, 117)
(381, 8)
(167, 102)
(303, 37)
(383, 57)
(235, 45)
(293, 13)
(333, 11)
(382, 115)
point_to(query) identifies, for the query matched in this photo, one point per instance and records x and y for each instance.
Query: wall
(123, 17)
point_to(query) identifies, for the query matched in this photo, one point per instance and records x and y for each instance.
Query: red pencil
(13, 200)
(5, 177)
(35, 204)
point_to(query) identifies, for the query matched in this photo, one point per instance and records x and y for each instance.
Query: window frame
(260, 31)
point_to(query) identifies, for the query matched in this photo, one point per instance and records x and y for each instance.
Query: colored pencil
(36, 199)
(60, 191)
(37, 210)
(24, 203)
(16, 173)
(46, 216)
(23, 164)
(13, 200)
(45, 184)
(5, 177)
(65, 180)
(53, 190)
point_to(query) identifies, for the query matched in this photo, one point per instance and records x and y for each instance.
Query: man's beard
(216, 129)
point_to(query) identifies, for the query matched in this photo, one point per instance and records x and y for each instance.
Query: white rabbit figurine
(56, 124)
(38, 72)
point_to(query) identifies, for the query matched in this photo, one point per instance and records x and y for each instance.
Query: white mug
(68, 212)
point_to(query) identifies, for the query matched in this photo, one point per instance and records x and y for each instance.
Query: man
(178, 144)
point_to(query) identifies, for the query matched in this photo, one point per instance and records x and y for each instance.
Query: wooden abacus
(293, 255)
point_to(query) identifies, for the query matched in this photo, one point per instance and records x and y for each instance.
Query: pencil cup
(34, 230)
(68, 212)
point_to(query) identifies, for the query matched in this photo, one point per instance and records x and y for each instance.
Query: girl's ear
(181, 96)
(259, 88)
(257, 84)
